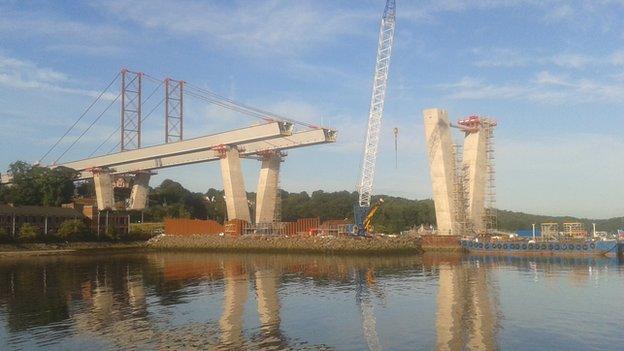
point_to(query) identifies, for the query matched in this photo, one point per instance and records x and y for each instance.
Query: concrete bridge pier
(475, 159)
(140, 191)
(233, 184)
(104, 194)
(442, 167)
(267, 192)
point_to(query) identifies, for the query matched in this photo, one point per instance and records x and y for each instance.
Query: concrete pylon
(266, 196)
(103, 181)
(441, 166)
(475, 158)
(140, 191)
(234, 185)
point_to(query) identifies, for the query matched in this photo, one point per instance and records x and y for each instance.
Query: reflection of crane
(380, 82)
(365, 285)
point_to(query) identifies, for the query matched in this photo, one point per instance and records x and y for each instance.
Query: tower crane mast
(380, 83)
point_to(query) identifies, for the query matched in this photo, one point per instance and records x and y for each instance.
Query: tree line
(35, 185)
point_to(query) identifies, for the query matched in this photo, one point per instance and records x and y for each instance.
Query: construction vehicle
(362, 210)
(367, 223)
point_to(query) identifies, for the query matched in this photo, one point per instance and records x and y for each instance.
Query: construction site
(463, 176)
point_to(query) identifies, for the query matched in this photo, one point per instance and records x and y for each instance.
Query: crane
(362, 210)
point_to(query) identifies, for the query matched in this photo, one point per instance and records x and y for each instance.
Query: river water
(187, 301)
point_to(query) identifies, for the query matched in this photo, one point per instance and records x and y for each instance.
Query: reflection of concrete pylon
(267, 283)
(466, 315)
(268, 301)
(231, 322)
(484, 321)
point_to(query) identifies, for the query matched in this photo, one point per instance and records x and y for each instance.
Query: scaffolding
(277, 217)
(550, 231)
(462, 225)
(490, 217)
(574, 230)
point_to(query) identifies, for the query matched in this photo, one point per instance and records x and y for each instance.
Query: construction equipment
(368, 220)
(365, 187)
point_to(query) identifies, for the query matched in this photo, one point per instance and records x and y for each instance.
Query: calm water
(174, 301)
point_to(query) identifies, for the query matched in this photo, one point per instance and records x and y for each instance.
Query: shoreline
(212, 243)
(249, 244)
(292, 245)
(50, 249)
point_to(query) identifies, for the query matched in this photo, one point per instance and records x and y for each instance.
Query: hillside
(397, 214)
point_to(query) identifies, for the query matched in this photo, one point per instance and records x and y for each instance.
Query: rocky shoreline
(42, 249)
(215, 243)
(299, 244)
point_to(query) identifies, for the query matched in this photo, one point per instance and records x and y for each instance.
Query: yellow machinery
(368, 220)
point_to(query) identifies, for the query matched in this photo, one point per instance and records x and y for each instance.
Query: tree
(39, 186)
(28, 233)
(25, 190)
(57, 186)
(86, 188)
(73, 230)
(111, 233)
(4, 191)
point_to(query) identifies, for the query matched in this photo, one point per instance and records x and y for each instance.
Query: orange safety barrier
(192, 227)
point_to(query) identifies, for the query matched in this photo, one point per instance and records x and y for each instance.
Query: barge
(585, 247)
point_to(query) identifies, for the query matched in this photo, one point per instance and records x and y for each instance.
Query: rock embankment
(41, 249)
(303, 244)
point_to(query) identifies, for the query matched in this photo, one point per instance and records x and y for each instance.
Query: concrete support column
(266, 196)
(441, 165)
(103, 181)
(140, 191)
(233, 185)
(474, 158)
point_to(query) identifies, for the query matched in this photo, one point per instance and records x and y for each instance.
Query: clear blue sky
(551, 72)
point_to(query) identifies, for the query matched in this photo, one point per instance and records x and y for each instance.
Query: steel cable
(81, 116)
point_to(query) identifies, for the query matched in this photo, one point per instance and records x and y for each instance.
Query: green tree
(73, 230)
(35, 185)
(25, 189)
(28, 233)
(86, 188)
(57, 186)
(111, 233)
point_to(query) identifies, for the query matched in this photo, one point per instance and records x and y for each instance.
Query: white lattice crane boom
(380, 82)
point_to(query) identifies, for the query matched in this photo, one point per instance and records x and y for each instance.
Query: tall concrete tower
(476, 167)
(478, 163)
(463, 185)
(442, 168)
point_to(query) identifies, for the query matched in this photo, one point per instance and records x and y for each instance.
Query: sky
(550, 72)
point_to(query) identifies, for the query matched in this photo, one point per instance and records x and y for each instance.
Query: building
(47, 219)
(100, 221)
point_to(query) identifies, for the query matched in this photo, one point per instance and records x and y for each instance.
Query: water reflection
(231, 302)
(468, 311)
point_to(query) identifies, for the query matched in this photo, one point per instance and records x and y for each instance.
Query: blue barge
(564, 248)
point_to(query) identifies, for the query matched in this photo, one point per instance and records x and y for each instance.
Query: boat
(521, 246)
